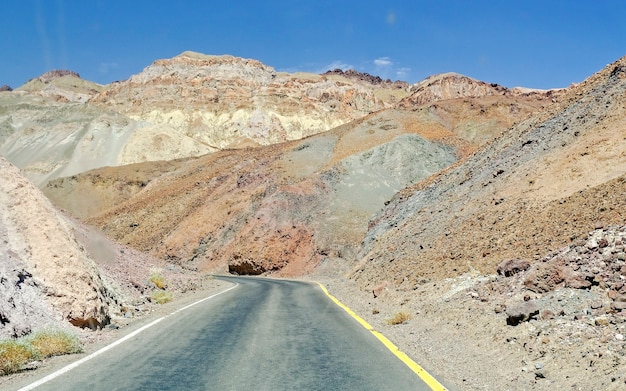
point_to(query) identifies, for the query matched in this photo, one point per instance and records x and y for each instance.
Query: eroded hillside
(539, 186)
(286, 208)
(59, 124)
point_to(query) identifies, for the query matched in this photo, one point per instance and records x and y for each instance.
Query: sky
(529, 43)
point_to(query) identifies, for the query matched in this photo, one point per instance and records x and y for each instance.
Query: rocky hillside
(47, 276)
(48, 137)
(539, 186)
(55, 271)
(289, 207)
(59, 124)
(226, 101)
(62, 85)
(446, 86)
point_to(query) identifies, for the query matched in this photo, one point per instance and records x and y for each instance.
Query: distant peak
(202, 56)
(6, 88)
(46, 77)
(366, 77)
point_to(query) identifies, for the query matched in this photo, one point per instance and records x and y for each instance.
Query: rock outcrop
(366, 77)
(50, 75)
(46, 275)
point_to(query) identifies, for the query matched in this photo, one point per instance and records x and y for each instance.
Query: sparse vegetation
(161, 297)
(48, 343)
(157, 278)
(15, 353)
(399, 318)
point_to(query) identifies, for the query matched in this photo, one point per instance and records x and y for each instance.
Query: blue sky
(533, 43)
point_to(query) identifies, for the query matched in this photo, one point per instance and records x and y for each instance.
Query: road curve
(264, 335)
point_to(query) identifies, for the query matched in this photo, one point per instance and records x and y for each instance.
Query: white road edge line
(114, 344)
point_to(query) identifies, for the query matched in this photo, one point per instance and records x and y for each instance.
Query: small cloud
(401, 73)
(391, 18)
(383, 62)
(106, 67)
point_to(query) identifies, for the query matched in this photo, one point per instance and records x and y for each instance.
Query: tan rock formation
(222, 100)
(453, 85)
(41, 245)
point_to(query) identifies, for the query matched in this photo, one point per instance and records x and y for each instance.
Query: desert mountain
(421, 202)
(59, 124)
(226, 101)
(287, 207)
(541, 185)
(62, 85)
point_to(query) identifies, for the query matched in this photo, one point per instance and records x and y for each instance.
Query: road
(263, 335)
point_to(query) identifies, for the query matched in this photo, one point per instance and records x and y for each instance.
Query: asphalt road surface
(263, 335)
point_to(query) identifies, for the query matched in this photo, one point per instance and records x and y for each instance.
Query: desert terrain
(493, 217)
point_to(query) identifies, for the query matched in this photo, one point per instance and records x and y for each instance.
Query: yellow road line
(415, 367)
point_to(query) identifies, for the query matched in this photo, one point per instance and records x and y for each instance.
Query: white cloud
(403, 72)
(383, 62)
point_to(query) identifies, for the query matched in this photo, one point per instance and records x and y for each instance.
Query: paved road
(263, 335)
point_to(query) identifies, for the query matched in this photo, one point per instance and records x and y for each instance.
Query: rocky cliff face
(46, 274)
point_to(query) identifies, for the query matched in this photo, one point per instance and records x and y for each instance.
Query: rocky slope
(284, 208)
(55, 271)
(539, 186)
(41, 259)
(63, 86)
(542, 205)
(47, 138)
(453, 85)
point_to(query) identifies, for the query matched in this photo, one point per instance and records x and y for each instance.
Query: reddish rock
(576, 280)
(510, 267)
(379, 289)
(543, 278)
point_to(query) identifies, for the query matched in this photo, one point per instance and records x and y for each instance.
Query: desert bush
(399, 318)
(14, 354)
(157, 278)
(48, 343)
(161, 297)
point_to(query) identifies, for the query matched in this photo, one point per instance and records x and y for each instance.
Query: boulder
(511, 267)
(522, 312)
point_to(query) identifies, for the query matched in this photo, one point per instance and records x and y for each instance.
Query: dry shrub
(13, 355)
(161, 297)
(48, 343)
(157, 278)
(399, 318)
